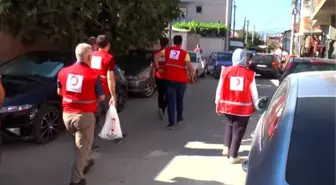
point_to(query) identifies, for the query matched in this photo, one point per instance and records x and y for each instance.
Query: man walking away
(80, 88)
(104, 64)
(235, 96)
(177, 67)
(160, 78)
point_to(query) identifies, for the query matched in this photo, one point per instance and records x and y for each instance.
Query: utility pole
(234, 17)
(247, 30)
(228, 23)
(244, 27)
(294, 12)
(253, 32)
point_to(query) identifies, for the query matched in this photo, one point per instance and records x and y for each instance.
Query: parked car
(32, 107)
(298, 65)
(121, 88)
(198, 64)
(138, 71)
(294, 142)
(216, 61)
(266, 64)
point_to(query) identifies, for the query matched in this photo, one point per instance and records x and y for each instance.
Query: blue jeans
(175, 93)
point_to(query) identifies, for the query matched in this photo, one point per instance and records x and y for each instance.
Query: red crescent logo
(74, 80)
(238, 82)
(175, 53)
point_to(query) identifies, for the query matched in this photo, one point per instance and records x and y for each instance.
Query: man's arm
(156, 60)
(99, 90)
(189, 67)
(2, 95)
(111, 79)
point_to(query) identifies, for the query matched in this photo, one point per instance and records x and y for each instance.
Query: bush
(206, 29)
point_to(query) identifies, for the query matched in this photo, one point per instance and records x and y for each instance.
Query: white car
(198, 64)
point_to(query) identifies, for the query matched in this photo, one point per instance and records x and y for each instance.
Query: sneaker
(234, 160)
(225, 151)
(170, 127)
(252, 134)
(161, 114)
(180, 121)
(81, 182)
(121, 140)
(94, 148)
(88, 166)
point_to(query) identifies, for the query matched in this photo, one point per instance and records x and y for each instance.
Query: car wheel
(121, 98)
(47, 124)
(216, 73)
(149, 89)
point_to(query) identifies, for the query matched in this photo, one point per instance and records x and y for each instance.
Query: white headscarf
(239, 57)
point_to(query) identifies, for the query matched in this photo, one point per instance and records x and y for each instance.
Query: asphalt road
(152, 155)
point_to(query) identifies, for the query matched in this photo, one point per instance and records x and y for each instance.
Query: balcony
(323, 10)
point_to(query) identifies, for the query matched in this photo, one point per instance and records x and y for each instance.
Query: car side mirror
(262, 103)
(245, 165)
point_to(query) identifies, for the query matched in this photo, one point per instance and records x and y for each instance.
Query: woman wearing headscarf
(236, 96)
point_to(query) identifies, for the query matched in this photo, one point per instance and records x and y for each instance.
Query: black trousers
(162, 98)
(175, 94)
(234, 133)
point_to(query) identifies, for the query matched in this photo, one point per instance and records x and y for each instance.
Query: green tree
(257, 38)
(272, 45)
(129, 22)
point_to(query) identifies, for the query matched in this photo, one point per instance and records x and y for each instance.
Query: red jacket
(160, 73)
(101, 62)
(175, 68)
(78, 82)
(235, 96)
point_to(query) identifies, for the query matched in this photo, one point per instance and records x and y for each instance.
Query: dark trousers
(162, 98)
(175, 93)
(234, 133)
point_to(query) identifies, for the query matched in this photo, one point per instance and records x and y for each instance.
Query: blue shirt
(98, 86)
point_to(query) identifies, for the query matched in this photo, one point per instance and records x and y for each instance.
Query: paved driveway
(152, 155)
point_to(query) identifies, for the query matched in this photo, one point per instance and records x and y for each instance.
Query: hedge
(206, 29)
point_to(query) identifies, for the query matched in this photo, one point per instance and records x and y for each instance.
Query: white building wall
(210, 45)
(212, 10)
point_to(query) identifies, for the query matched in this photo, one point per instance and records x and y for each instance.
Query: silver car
(198, 64)
(294, 142)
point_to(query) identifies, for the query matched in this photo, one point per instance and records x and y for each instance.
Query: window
(275, 111)
(198, 9)
(193, 56)
(224, 56)
(304, 67)
(311, 156)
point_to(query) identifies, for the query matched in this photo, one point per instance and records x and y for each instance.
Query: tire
(46, 124)
(216, 74)
(196, 76)
(149, 89)
(122, 96)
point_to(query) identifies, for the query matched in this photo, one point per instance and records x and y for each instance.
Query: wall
(210, 45)
(11, 47)
(192, 41)
(212, 10)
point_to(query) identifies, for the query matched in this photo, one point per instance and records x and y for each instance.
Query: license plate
(259, 65)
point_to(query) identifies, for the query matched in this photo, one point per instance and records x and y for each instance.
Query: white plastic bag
(111, 129)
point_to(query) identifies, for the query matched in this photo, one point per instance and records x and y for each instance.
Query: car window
(193, 56)
(304, 67)
(224, 56)
(31, 65)
(274, 111)
(311, 156)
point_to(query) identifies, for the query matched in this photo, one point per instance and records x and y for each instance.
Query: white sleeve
(254, 91)
(219, 87)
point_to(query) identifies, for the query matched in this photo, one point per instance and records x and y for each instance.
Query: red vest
(175, 68)
(78, 88)
(235, 96)
(160, 73)
(99, 63)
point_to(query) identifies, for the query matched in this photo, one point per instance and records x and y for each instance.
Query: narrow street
(151, 155)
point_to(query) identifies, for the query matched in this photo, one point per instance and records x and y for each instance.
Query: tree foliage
(128, 22)
(257, 38)
(214, 29)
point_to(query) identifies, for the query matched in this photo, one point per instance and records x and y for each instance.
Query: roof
(316, 84)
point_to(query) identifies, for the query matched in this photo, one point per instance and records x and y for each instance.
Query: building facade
(204, 10)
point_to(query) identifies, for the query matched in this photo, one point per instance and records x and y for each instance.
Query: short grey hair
(82, 51)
